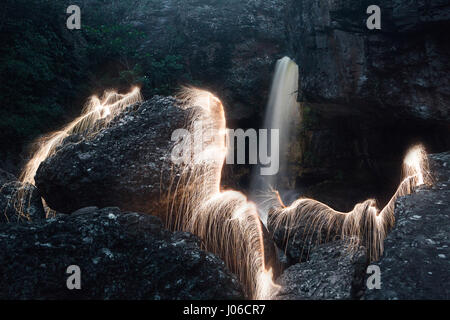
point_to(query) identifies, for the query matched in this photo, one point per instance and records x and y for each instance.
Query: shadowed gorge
(225, 221)
(216, 150)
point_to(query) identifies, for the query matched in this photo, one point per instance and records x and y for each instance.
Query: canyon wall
(367, 95)
(370, 94)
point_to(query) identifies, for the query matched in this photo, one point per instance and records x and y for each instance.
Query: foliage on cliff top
(47, 70)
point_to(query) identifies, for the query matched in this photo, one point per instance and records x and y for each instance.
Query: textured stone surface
(342, 62)
(332, 272)
(127, 165)
(298, 243)
(122, 255)
(234, 44)
(416, 259)
(18, 202)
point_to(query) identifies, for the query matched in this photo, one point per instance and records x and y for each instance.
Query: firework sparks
(106, 108)
(227, 223)
(96, 115)
(364, 225)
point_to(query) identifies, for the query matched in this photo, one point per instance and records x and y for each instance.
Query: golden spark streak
(95, 116)
(365, 224)
(227, 223)
(109, 106)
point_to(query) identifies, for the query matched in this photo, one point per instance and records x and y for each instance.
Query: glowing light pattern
(227, 223)
(365, 224)
(96, 115)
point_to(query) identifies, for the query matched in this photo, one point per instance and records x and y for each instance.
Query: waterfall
(282, 108)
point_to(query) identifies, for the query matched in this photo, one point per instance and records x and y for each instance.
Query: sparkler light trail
(227, 223)
(88, 124)
(96, 115)
(365, 225)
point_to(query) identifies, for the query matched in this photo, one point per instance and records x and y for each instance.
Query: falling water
(282, 109)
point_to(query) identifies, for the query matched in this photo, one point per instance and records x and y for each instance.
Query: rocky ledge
(416, 260)
(415, 263)
(121, 255)
(332, 272)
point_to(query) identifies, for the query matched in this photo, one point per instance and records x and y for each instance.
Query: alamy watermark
(74, 280)
(74, 20)
(374, 280)
(201, 145)
(374, 20)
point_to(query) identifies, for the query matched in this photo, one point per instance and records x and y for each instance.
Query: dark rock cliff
(367, 94)
(229, 47)
(398, 71)
(370, 94)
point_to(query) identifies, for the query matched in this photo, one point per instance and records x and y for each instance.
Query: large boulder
(332, 272)
(416, 259)
(127, 165)
(121, 255)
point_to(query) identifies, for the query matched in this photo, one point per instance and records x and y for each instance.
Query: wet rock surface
(127, 165)
(332, 272)
(416, 259)
(121, 255)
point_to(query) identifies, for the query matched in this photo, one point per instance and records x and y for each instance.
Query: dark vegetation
(48, 71)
